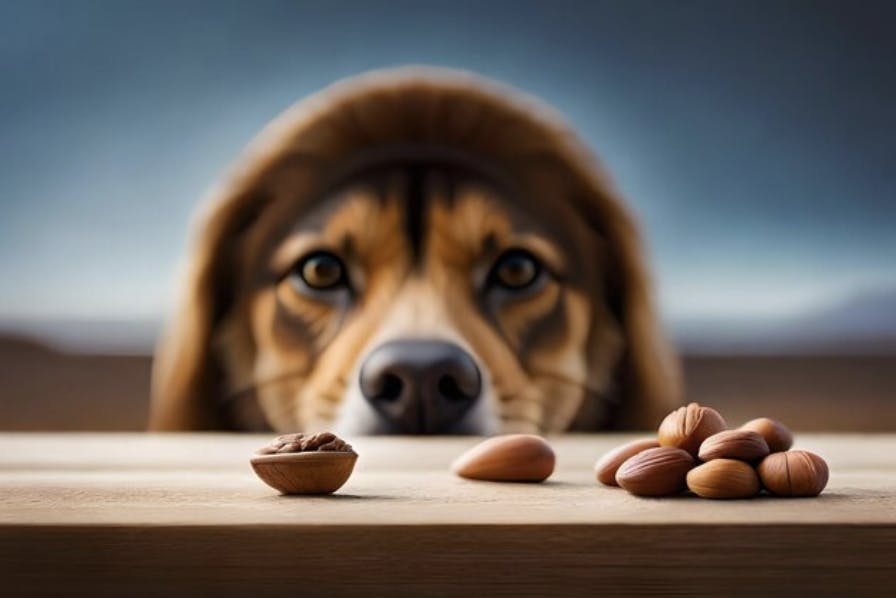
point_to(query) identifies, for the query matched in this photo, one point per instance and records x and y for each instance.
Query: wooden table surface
(156, 513)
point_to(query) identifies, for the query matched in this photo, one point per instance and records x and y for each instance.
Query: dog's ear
(648, 379)
(187, 381)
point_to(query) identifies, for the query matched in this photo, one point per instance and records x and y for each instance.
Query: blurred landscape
(832, 370)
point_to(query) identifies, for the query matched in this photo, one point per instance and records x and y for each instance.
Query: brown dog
(415, 251)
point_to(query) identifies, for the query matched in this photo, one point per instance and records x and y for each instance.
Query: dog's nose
(420, 386)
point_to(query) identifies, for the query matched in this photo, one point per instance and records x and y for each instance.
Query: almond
(745, 445)
(509, 458)
(606, 467)
(724, 478)
(687, 427)
(794, 473)
(660, 471)
(778, 437)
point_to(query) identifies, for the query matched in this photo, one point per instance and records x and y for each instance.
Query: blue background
(755, 140)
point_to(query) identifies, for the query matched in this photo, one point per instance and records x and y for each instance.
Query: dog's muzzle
(420, 386)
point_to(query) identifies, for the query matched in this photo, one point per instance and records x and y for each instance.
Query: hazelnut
(508, 458)
(299, 464)
(687, 427)
(777, 435)
(724, 478)
(660, 471)
(745, 445)
(605, 469)
(794, 473)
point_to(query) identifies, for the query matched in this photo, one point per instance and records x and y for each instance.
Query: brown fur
(583, 352)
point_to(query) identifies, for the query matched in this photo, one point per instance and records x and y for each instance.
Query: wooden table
(148, 514)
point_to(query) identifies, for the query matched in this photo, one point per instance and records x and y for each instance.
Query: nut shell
(724, 478)
(687, 427)
(508, 458)
(660, 471)
(745, 445)
(794, 473)
(314, 472)
(606, 467)
(778, 436)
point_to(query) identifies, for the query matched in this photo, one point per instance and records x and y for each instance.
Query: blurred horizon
(864, 323)
(753, 140)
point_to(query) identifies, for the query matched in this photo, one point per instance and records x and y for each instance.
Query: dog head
(418, 251)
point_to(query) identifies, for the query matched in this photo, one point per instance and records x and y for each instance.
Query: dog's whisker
(555, 377)
(330, 398)
(588, 392)
(291, 408)
(279, 379)
(521, 425)
(325, 412)
(340, 383)
(506, 397)
(513, 417)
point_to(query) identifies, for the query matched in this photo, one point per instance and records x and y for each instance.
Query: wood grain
(153, 514)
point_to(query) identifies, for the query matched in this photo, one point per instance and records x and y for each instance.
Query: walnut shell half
(299, 464)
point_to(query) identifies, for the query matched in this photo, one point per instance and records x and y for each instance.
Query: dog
(415, 251)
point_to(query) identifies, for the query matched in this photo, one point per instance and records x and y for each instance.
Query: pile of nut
(694, 450)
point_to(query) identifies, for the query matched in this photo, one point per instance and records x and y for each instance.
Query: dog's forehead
(463, 197)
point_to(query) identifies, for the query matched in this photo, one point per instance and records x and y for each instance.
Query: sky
(756, 141)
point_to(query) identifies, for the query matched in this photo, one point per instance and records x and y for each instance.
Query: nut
(298, 442)
(296, 464)
(745, 445)
(660, 471)
(687, 427)
(509, 458)
(605, 469)
(778, 437)
(794, 473)
(724, 478)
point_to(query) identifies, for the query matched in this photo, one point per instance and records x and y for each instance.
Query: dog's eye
(321, 271)
(516, 269)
